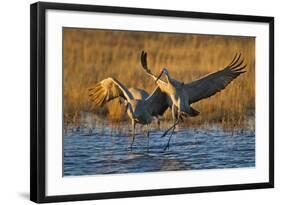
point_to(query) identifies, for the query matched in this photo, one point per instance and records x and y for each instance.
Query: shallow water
(106, 151)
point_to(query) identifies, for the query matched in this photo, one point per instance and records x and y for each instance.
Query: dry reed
(91, 55)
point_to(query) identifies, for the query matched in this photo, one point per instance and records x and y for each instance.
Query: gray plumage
(140, 94)
(214, 82)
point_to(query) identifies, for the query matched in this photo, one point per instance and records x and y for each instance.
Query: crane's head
(164, 71)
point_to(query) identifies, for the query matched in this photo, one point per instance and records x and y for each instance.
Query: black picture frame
(38, 101)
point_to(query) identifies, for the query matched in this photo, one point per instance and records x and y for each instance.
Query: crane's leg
(133, 133)
(157, 119)
(175, 121)
(158, 123)
(147, 135)
(168, 144)
(178, 118)
(172, 127)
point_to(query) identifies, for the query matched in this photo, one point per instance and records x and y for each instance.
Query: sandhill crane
(139, 110)
(184, 94)
(140, 94)
(137, 93)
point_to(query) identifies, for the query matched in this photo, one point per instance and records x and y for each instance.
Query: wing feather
(214, 82)
(158, 102)
(107, 90)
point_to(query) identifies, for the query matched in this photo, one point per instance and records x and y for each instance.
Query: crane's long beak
(159, 76)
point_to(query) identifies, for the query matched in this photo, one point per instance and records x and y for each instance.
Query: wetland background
(96, 139)
(91, 55)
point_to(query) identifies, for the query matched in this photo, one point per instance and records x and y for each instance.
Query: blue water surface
(106, 151)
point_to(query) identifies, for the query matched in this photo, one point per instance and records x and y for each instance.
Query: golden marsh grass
(91, 55)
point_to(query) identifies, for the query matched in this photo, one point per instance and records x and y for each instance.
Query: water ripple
(103, 153)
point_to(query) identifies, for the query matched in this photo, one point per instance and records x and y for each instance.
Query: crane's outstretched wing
(214, 82)
(107, 90)
(158, 102)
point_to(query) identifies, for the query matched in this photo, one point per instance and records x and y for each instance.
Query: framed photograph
(129, 102)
